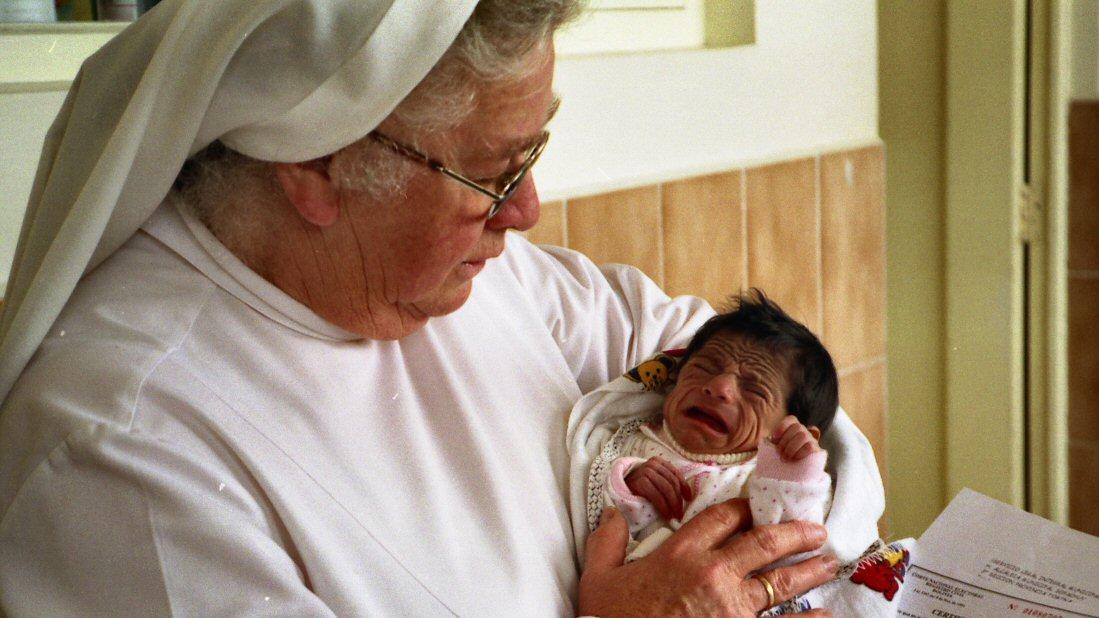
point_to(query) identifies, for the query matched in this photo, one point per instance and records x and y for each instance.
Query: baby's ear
(815, 431)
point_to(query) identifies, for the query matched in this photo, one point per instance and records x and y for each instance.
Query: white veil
(278, 80)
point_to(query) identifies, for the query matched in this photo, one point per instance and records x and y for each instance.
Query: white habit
(178, 436)
(188, 439)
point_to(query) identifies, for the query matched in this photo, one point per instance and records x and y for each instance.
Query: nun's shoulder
(122, 319)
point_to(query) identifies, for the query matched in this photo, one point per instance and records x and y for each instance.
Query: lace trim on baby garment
(725, 459)
(601, 467)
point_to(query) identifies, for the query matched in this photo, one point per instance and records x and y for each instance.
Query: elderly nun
(264, 351)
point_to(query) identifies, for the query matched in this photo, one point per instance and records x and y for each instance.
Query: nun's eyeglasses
(503, 187)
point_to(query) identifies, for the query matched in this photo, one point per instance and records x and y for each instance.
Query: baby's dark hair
(814, 386)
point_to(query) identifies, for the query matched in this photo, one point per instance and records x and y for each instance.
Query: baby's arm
(789, 480)
(646, 489)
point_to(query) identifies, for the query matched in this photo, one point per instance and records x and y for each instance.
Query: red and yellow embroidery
(883, 572)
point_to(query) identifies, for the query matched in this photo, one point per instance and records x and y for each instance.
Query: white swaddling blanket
(857, 504)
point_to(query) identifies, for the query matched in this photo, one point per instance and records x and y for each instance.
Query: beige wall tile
(783, 258)
(703, 237)
(550, 229)
(1083, 492)
(621, 227)
(1084, 186)
(853, 254)
(1083, 359)
(862, 395)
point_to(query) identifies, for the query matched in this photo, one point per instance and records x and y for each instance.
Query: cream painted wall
(912, 73)
(24, 118)
(36, 64)
(1085, 49)
(809, 85)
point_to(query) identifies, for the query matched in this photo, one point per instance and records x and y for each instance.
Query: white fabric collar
(177, 227)
(278, 80)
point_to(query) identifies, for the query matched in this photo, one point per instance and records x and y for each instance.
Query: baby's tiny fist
(797, 442)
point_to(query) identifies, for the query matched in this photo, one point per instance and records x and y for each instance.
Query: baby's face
(728, 394)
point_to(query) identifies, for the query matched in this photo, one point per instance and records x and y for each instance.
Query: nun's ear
(310, 189)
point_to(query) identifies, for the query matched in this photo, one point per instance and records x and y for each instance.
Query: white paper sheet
(983, 558)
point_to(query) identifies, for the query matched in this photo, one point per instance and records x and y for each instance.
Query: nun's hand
(699, 571)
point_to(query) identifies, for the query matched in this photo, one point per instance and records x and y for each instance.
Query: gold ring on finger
(768, 587)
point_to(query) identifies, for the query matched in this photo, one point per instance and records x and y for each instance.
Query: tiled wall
(809, 232)
(1083, 311)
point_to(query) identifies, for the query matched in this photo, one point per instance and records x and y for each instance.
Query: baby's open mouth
(710, 419)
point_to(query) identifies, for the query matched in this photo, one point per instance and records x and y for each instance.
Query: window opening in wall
(627, 5)
(623, 26)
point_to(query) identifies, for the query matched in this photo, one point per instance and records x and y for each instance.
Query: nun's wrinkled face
(415, 255)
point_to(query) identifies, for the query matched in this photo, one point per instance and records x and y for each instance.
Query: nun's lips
(470, 268)
(708, 418)
(486, 256)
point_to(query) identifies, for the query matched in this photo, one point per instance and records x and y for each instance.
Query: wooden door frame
(1005, 355)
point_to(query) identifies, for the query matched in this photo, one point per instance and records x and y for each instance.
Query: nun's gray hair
(494, 46)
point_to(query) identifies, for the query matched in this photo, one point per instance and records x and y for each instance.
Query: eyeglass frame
(511, 184)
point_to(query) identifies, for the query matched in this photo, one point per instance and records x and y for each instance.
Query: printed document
(983, 558)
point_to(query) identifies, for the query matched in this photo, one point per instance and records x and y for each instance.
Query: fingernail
(832, 563)
(608, 513)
